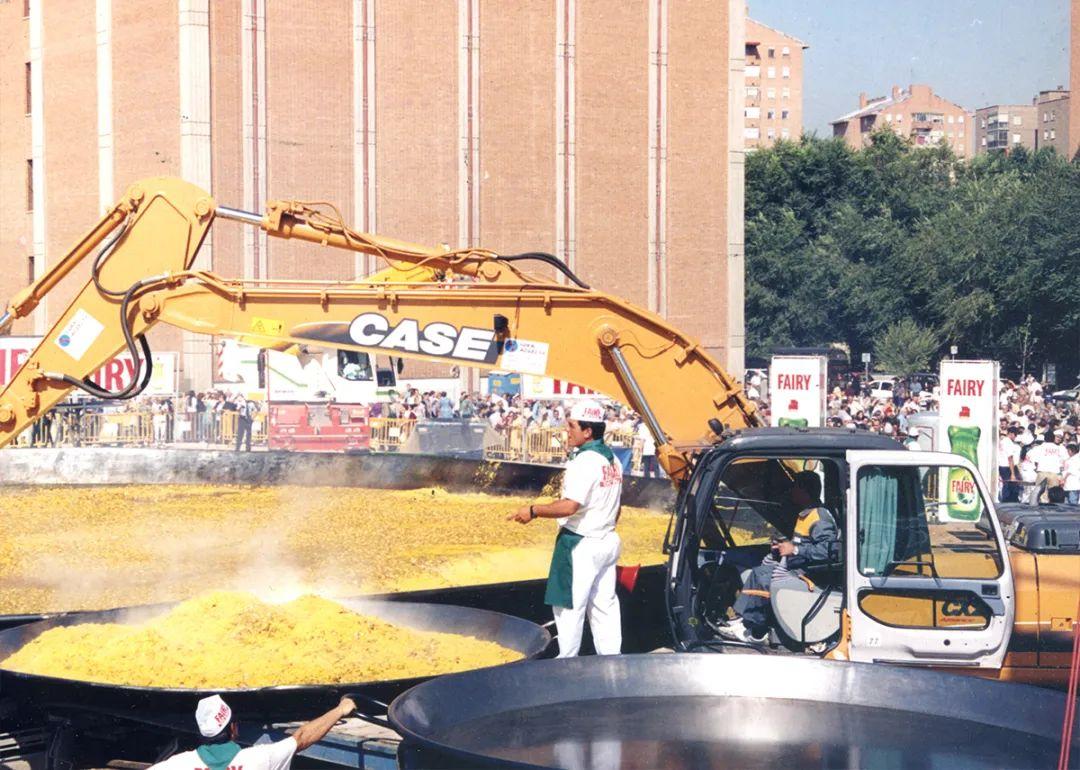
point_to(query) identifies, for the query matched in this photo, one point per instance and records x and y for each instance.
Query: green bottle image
(962, 497)
(793, 422)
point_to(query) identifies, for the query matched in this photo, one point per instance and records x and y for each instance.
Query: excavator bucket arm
(483, 311)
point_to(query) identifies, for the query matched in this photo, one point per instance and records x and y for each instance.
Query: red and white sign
(552, 388)
(797, 390)
(969, 399)
(117, 373)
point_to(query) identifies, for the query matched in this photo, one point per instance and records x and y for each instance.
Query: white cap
(913, 432)
(587, 411)
(212, 715)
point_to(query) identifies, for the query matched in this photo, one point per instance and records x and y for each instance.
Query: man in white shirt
(582, 575)
(649, 464)
(1009, 466)
(1049, 458)
(219, 749)
(1072, 475)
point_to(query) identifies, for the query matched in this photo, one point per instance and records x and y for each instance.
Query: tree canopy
(844, 245)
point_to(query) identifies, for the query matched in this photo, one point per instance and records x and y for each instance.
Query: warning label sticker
(79, 334)
(267, 326)
(528, 356)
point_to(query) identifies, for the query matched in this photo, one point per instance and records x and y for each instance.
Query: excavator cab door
(928, 574)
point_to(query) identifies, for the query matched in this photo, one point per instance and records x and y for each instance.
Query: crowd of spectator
(1038, 437)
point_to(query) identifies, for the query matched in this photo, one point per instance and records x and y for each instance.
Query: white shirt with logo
(596, 485)
(265, 756)
(1072, 473)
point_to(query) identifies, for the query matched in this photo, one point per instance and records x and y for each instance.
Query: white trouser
(593, 592)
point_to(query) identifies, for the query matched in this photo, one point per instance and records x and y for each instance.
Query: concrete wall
(101, 466)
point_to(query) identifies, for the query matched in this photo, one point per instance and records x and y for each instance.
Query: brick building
(1001, 127)
(1052, 108)
(774, 86)
(915, 112)
(609, 134)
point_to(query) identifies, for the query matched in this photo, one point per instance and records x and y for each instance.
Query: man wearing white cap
(582, 576)
(219, 749)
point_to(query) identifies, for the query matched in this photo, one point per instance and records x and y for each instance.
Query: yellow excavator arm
(468, 307)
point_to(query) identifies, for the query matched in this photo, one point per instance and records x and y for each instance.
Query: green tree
(905, 348)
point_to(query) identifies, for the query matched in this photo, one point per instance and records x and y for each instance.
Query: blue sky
(972, 52)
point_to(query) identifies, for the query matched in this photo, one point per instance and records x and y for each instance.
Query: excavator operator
(814, 542)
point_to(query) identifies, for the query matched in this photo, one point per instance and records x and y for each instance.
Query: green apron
(560, 582)
(218, 756)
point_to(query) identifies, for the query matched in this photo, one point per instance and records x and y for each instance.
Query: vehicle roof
(828, 440)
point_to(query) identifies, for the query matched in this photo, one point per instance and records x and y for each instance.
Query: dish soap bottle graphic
(793, 422)
(963, 496)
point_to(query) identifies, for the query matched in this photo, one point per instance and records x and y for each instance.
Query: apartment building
(1053, 120)
(1003, 127)
(774, 86)
(915, 112)
(608, 134)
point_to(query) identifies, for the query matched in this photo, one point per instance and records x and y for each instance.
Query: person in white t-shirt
(649, 465)
(1072, 475)
(581, 579)
(219, 749)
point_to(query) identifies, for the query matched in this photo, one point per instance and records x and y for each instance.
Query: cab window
(353, 365)
(924, 521)
(752, 504)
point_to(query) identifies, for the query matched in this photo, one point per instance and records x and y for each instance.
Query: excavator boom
(470, 307)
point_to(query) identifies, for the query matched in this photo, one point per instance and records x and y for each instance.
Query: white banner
(554, 389)
(968, 423)
(117, 373)
(797, 391)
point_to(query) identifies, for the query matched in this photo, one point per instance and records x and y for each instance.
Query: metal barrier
(542, 445)
(116, 429)
(389, 433)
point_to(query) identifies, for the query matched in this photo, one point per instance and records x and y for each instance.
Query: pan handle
(357, 697)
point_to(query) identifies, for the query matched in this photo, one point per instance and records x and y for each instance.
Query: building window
(959, 118)
(770, 72)
(771, 133)
(952, 119)
(785, 92)
(785, 72)
(770, 114)
(1018, 120)
(30, 269)
(752, 112)
(770, 92)
(1046, 116)
(784, 114)
(984, 144)
(888, 117)
(29, 99)
(29, 185)
(772, 53)
(751, 132)
(1053, 133)
(751, 92)
(753, 71)
(899, 117)
(784, 133)
(785, 51)
(1046, 134)
(983, 122)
